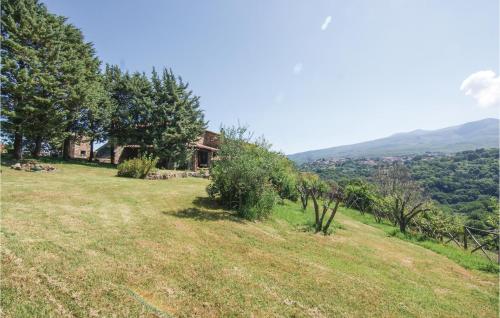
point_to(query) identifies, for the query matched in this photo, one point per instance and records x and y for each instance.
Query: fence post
(465, 238)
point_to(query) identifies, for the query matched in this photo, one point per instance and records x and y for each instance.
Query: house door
(202, 158)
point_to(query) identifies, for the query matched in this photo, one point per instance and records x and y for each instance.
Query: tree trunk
(402, 222)
(240, 200)
(112, 153)
(18, 146)
(402, 226)
(66, 148)
(91, 155)
(334, 211)
(304, 198)
(320, 224)
(316, 209)
(38, 147)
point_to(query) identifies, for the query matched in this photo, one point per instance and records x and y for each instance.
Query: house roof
(200, 146)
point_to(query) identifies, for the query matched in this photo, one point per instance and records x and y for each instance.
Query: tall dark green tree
(138, 111)
(26, 32)
(48, 117)
(79, 73)
(97, 115)
(131, 109)
(47, 74)
(160, 115)
(115, 87)
(177, 120)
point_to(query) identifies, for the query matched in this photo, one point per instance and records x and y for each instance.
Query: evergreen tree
(79, 72)
(113, 81)
(46, 123)
(178, 120)
(48, 73)
(138, 113)
(97, 115)
(160, 115)
(131, 108)
(24, 34)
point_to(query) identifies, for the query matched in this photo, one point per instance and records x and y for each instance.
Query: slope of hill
(82, 242)
(468, 136)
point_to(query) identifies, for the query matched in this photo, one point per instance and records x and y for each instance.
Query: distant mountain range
(469, 136)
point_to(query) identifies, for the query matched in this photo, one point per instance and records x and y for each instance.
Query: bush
(138, 167)
(259, 207)
(248, 177)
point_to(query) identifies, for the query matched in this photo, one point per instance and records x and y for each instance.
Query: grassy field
(450, 250)
(81, 242)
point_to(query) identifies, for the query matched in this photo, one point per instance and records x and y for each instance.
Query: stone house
(79, 149)
(204, 150)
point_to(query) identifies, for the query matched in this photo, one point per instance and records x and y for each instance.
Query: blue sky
(311, 74)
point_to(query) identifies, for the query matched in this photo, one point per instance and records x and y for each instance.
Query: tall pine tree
(80, 72)
(178, 120)
(22, 83)
(48, 74)
(97, 115)
(160, 115)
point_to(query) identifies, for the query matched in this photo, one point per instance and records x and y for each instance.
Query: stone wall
(80, 149)
(210, 139)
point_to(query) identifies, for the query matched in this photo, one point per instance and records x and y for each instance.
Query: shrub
(138, 167)
(247, 176)
(259, 207)
(283, 177)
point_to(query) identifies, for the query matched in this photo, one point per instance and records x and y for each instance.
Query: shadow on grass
(205, 215)
(206, 210)
(207, 203)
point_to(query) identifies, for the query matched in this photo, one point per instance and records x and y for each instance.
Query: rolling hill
(468, 136)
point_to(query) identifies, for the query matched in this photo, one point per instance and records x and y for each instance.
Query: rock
(32, 166)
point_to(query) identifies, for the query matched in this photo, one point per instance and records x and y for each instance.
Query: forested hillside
(464, 183)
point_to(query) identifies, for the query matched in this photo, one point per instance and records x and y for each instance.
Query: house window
(83, 154)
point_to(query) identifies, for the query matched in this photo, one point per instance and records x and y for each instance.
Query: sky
(311, 74)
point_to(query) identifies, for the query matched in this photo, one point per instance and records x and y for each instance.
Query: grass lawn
(81, 242)
(450, 250)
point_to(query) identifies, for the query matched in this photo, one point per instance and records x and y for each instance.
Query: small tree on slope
(405, 198)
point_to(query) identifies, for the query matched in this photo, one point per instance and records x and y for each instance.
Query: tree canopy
(54, 93)
(48, 72)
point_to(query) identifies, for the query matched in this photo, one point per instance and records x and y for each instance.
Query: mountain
(468, 136)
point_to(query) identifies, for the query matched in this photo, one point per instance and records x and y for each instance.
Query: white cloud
(484, 87)
(297, 69)
(327, 21)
